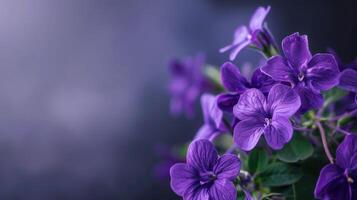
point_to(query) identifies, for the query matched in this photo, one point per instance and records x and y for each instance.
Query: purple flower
(348, 81)
(213, 119)
(342, 65)
(188, 82)
(205, 175)
(236, 84)
(339, 180)
(256, 34)
(307, 74)
(268, 116)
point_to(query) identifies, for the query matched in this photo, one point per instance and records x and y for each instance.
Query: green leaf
(279, 174)
(213, 74)
(258, 160)
(298, 149)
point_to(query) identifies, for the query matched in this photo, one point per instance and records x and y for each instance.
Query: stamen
(268, 121)
(301, 76)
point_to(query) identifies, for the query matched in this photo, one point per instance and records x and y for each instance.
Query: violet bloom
(205, 175)
(339, 180)
(268, 116)
(307, 74)
(213, 119)
(348, 81)
(236, 84)
(256, 34)
(188, 82)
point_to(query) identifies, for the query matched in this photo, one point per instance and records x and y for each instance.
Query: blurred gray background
(83, 85)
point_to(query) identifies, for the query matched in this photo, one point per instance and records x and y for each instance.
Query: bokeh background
(83, 85)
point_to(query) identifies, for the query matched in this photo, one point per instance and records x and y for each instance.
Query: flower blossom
(236, 84)
(213, 119)
(269, 116)
(205, 175)
(339, 180)
(256, 34)
(187, 84)
(307, 74)
(348, 81)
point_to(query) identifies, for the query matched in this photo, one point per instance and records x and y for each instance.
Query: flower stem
(346, 114)
(324, 141)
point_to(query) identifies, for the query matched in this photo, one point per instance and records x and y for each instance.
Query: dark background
(83, 85)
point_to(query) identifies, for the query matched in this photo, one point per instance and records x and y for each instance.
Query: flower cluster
(274, 129)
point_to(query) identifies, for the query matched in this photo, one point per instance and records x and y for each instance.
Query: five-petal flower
(205, 175)
(268, 116)
(339, 180)
(255, 34)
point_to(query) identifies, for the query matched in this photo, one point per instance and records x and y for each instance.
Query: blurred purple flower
(256, 34)
(265, 116)
(167, 159)
(342, 65)
(307, 74)
(348, 81)
(236, 84)
(205, 175)
(339, 180)
(213, 119)
(187, 84)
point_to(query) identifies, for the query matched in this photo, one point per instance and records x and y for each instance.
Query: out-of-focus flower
(341, 65)
(339, 180)
(269, 116)
(236, 84)
(348, 81)
(167, 159)
(205, 175)
(256, 34)
(187, 84)
(307, 74)
(213, 119)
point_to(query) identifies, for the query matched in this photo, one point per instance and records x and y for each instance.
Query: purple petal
(237, 49)
(240, 35)
(226, 101)
(197, 193)
(323, 71)
(227, 167)
(182, 178)
(262, 81)
(309, 98)
(211, 112)
(346, 150)
(332, 184)
(279, 132)
(279, 70)
(247, 133)
(232, 79)
(202, 155)
(348, 80)
(283, 101)
(207, 132)
(257, 20)
(177, 68)
(223, 190)
(296, 50)
(250, 103)
(247, 194)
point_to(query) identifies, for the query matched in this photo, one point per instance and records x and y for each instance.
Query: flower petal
(247, 133)
(283, 101)
(182, 178)
(206, 132)
(323, 71)
(212, 115)
(232, 79)
(296, 50)
(227, 167)
(196, 193)
(202, 155)
(226, 101)
(279, 132)
(332, 184)
(223, 190)
(348, 80)
(262, 81)
(309, 98)
(250, 103)
(257, 20)
(240, 35)
(279, 70)
(346, 150)
(237, 49)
